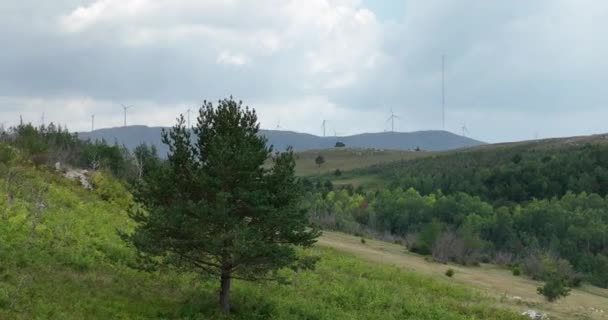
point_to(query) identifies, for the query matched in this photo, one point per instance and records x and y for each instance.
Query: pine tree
(214, 208)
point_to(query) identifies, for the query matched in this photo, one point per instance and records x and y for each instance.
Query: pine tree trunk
(225, 291)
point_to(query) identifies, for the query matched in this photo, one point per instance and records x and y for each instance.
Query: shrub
(516, 271)
(544, 267)
(449, 273)
(504, 259)
(363, 240)
(555, 288)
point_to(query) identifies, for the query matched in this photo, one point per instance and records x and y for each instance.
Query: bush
(544, 267)
(504, 258)
(449, 273)
(362, 240)
(555, 288)
(516, 271)
(533, 267)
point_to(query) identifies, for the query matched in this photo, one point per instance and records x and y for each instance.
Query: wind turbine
(125, 108)
(324, 125)
(92, 122)
(279, 124)
(465, 131)
(392, 120)
(443, 91)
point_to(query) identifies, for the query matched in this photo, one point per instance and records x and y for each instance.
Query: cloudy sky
(513, 70)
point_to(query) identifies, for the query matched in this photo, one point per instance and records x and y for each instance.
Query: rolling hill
(132, 136)
(345, 159)
(517, 171)
(61, 257)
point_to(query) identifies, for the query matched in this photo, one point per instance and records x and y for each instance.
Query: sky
(514, 70)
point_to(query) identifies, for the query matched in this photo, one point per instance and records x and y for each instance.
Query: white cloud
(236, 59)
(337, 40)
(515, 63)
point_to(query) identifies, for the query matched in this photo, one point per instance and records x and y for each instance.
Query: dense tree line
(505, 175)
(569, 233)
(48, 145)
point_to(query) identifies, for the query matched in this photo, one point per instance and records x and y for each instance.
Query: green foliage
(516, 271)
(554, 289)
(363, 241)
(77, 267)
(449, 273)
(572, 230)
(504, 174)
(215, 209)
(48, 145)
(428, 236)
(319, 160)
(110, 189)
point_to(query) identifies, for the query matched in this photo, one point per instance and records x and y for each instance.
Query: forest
(541, 210)
(504, 175)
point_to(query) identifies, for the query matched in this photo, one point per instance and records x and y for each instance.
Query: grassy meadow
(346, 159)
(495, 283)
(61, 258)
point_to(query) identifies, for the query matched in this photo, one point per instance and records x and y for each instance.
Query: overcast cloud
(514, 69)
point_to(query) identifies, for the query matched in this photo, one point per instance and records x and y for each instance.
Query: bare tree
(94, 160)
(449, 247)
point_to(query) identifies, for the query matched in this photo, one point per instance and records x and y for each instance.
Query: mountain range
(432, 140)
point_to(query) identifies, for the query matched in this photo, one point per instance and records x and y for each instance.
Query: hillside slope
(506, 172)
(61, 258)
(517, 293)
(132, 136)
(344, 159)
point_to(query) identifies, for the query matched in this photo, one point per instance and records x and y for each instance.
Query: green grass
(346, 159)
(516, 293)
(342, 287)
(73, 265)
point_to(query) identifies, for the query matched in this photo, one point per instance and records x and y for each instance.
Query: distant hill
(132, 136)
(500, 173)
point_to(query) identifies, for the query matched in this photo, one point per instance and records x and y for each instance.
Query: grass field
(506, 290)
(348, 159)
(70, 263)
(342, 287)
